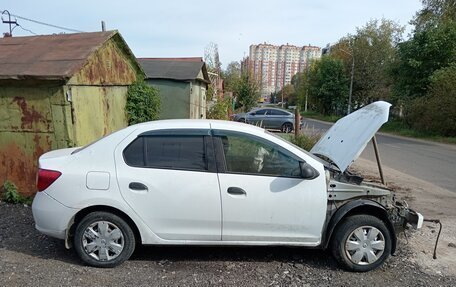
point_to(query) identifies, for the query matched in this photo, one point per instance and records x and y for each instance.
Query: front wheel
(103, 239)
(361, 243)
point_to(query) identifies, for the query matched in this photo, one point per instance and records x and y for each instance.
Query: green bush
(11, 195)
(436, 113)
(219, 111)
(305, 142)
(143, 103)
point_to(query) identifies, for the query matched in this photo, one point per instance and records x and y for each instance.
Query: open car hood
(347, 138)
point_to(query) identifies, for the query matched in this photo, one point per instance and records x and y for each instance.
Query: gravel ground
(28, 258)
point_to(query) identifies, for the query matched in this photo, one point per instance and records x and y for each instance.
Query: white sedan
(207, 182)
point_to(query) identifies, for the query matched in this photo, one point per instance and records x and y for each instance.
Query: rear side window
(279, 113)
(185, 152)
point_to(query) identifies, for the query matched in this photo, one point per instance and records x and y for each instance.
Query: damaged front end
(344, 188)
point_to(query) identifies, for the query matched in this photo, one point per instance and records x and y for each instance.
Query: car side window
(279, 113)
(258, 112)
(246, 154)
(185, 152)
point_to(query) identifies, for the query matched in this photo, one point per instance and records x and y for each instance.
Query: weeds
(11, 195)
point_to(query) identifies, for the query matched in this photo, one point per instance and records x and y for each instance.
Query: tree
(373, 49)
(328, 85)
(287, 95)
(231, 76)
(247, 91)
(432, 47)
(434, 13)
(436, 113)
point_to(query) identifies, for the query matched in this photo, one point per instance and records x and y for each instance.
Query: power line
(46, 24)
(25, 29)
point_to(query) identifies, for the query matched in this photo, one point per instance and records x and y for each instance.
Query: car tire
(103, 239)
(241, 120)
(361, 243)
(287, 128)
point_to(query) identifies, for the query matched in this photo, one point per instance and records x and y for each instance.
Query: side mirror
(307, 171)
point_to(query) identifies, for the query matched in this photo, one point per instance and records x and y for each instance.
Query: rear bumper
(51, 217)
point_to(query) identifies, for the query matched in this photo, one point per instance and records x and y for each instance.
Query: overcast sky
(184, 28)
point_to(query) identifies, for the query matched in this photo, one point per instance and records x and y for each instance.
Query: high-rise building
(274, 66)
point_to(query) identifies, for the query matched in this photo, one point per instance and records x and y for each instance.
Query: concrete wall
(174, 98)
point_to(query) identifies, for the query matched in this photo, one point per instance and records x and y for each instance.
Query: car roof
(196, 123)
(269, 108)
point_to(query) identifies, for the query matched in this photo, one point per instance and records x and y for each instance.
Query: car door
(169, 179)
(278, 118)
(257, 117)
(264, 199)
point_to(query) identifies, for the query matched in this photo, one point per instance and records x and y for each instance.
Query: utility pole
(9, 22)
(351, 84)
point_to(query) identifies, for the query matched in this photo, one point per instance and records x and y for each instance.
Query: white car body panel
(274, 209)
(192, 215)
(347, 138)
(179, 204)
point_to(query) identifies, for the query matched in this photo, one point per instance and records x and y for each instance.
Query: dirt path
(431, 201)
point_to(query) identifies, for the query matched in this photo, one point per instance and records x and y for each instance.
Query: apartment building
(274, 66)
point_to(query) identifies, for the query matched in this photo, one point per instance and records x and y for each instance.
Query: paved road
(432, 162)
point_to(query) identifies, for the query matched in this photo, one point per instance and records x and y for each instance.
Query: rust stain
(19, 168)
(107, 67)
(29, 115)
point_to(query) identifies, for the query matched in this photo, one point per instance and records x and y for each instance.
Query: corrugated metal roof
(182, 69)
(50, 57)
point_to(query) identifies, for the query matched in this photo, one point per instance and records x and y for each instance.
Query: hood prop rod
(377, 157)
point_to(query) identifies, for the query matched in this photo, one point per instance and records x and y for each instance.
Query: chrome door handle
(236, 191)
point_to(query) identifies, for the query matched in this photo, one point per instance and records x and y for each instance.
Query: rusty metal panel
(18, 157)
(198, 100)
(109, 65)
(27, 130)
(97, 111)
(25, 109)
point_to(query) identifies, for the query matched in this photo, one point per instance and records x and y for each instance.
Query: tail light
(45, 178)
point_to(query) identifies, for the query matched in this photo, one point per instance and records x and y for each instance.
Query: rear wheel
(287, 128)
(361, 243)
(103, 239)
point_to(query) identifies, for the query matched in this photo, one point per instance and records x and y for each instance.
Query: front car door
(169, 179)
(264, 199)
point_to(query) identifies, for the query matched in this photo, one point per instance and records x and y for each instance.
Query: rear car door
(278, 118)
(169, 179)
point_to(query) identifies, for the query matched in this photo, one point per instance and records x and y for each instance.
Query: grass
(317, 116)
(395, 127)
(398, 127)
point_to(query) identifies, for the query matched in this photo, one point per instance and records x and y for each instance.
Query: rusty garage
(58, 91)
